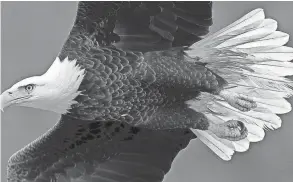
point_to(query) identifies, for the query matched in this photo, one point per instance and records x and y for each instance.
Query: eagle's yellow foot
(232, 130)
(241, 102)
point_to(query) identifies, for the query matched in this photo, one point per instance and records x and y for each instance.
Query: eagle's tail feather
(215, 144)
(250, 55)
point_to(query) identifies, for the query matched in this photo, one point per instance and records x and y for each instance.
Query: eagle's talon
(232, 130)
(241, 102)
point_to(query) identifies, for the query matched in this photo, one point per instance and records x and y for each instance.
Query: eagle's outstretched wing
(142, 26)
(77, 150)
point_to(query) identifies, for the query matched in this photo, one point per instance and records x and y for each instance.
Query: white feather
(66, 77)
(250, 55)
(274, 68)
(274, 40)
(253, 16)
(215, 145)
(255, 133)
(248, 87)
(282, 53)
(265, 28)
(241, 145)
(278, 106)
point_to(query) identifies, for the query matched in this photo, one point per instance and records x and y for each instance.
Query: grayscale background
(33, 34)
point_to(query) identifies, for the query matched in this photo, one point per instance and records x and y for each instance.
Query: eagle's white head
(55, 90)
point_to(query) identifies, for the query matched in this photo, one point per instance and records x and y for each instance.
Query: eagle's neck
(64, 78)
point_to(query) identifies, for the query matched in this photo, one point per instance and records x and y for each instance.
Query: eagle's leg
(212, 83)
(193, 76)
(184, 117)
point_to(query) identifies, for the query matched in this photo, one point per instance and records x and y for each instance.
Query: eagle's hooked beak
(9, 98)
(6, 99)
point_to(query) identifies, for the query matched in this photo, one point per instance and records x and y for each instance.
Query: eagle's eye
(29, 88)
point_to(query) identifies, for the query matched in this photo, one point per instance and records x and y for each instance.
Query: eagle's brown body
(139, 88)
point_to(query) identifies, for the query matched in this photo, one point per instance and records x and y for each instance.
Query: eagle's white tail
(250, 55)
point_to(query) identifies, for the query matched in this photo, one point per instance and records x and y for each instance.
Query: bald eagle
(135, 82)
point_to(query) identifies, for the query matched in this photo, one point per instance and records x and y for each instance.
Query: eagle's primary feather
(132, 80)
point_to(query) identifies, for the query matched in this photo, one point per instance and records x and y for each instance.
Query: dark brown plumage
(136, 84)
